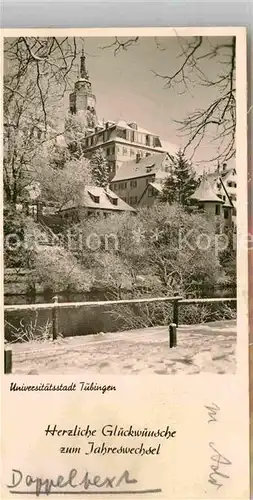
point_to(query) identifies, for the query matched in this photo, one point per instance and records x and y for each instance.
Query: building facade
(139, 181)
(121, 141)
(95, 201)
(224, 182)
(138, 159)
(215, 205)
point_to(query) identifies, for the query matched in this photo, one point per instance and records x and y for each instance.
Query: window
(232, 184)
(132, 153)
(225, 213)
(131, 136)
(133, 200)
(217, 209)
(125, 151)
(108, 151)
(150, 192)
(234, 211)
(147, 181)
(118, 150)
(157, 142)
(94, 198)
(114, 201)
(147, 140)
(121, 133)
(133, 184)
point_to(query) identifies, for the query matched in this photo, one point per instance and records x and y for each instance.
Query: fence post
(175, 312)
(55, 318)
(7, 360)
(173, 334)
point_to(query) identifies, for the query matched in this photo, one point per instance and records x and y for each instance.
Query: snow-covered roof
(145, 166)
(99, 198)
(205, 192)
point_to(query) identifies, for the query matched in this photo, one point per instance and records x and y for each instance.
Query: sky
(126, 87)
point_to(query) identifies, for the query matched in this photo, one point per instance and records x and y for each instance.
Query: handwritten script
(218, 460)
(217, 473)
(47, 485)
(212, 412)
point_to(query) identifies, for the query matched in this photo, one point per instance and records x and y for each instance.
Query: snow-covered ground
(201, 348)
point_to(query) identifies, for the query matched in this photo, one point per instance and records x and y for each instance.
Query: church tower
(82, 102)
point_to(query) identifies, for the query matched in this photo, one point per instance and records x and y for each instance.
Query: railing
(55, 306)
(176, 301)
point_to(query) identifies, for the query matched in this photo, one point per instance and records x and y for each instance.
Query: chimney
(138, 157)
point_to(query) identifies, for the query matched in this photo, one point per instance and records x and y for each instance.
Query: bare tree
(37, 72)
(37, 69)
(218, 119)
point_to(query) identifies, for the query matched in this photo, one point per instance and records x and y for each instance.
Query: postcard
(124, 269)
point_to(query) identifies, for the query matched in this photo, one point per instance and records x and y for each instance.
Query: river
(84, 320)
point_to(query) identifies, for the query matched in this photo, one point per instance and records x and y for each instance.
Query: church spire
(83, 72)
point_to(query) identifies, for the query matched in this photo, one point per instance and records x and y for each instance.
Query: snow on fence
(55, 306)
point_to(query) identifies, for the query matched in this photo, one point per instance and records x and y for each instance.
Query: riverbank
(208, 348)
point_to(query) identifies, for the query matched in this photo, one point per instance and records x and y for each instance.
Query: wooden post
(55, 318)
(175, 312)
(173, 334)
(7, 360)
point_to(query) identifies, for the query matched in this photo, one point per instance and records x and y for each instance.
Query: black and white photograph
(120, 188)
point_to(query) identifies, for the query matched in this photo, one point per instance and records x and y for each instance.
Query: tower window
(217, 209)
(225, 213)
